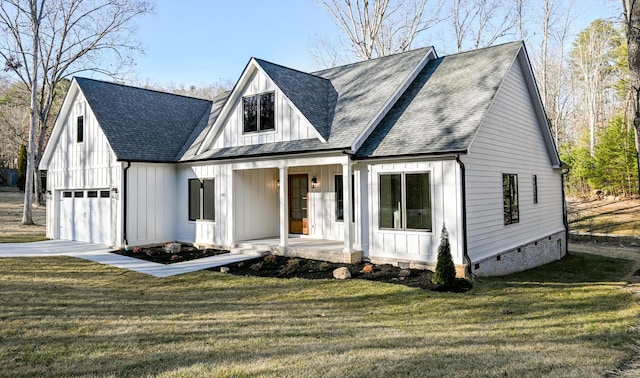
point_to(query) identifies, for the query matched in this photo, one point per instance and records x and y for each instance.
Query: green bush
(445, 274)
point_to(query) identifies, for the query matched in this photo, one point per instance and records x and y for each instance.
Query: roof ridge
(291, 69)
(519, 42)
(372, 59)
(140, 88)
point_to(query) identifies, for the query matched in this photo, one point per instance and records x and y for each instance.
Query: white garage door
(85, 215)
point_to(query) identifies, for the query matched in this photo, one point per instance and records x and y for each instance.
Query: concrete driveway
(102, 255)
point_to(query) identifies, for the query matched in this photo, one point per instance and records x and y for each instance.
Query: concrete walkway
(102, 255)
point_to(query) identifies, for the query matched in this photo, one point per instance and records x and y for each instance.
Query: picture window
(405, 201)
(259, 112)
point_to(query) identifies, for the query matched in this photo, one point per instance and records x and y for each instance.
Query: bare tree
(482, 22)
(382, 27)
(42, 42)
(632, 28)
(592, 58)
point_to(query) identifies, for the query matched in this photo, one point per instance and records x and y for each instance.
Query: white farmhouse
(369, 160)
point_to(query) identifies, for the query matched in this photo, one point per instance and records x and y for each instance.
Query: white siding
(420, 246)
(90, 164)
(205, 232)
(290, 125)
(255, 204)
(151, 204)
(510, 141)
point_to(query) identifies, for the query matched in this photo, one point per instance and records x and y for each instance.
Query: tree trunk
(27, 216)
(632, 18)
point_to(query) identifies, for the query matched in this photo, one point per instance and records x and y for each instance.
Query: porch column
(284, 202)
(346, 198)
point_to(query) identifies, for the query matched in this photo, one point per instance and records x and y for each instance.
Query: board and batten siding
(204, 232)
(90, 164)
(419, 246)
(510, 141)
(255, 204)
(151, 205)
(289, 124)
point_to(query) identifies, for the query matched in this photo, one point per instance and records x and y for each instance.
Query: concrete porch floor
(305, 247)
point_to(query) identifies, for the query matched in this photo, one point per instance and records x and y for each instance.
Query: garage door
(85, 215)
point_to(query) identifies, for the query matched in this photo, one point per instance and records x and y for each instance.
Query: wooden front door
(298, 193)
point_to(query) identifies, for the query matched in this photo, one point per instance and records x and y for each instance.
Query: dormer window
(80, 129)
(259, 112)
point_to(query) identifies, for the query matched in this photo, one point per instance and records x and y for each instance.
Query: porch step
(251, 249)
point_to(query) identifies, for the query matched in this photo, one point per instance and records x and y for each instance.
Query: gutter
(124, 204)
(463, 184)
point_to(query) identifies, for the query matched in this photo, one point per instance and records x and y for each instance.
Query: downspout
(463, 184)
(565, 218)
(124, 204)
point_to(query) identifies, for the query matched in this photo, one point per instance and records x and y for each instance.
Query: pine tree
(22, 167)
(445, 274)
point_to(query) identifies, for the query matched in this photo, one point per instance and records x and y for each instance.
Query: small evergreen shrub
(445, 274)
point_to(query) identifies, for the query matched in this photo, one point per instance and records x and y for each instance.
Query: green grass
(21, 238)
(61, 316)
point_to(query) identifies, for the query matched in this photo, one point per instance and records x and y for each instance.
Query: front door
(298, 192)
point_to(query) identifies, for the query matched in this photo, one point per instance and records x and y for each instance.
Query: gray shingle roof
(443, 108)
(142, 124)
(200, 132)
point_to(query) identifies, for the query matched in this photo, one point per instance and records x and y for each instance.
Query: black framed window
(259, 112)
(535, 188)
(202, 199)
(405, 201)
(338, 186)
(80, 129)
(510, 198)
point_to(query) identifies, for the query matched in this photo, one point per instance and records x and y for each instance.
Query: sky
(199, 42)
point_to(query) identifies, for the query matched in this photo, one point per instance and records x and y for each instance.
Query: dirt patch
(285, 267)
(159, 254)
(610, 215)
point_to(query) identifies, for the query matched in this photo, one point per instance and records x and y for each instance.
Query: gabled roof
(443, 108)
(353, 96)
(142, 124)
(314, 96)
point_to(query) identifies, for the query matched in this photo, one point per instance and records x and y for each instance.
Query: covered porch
(296, 207)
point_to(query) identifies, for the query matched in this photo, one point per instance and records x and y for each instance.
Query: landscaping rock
(224, 269)
(172, 247)
(341, 274)
(404, 273)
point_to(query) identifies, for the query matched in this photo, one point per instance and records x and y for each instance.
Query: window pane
(267, 118)
(78, 194)
(66, 194)
(104, 194)
(390, 201)
(535, 189)
(339, 198)
(208, 200)
(250, 110)
(194, 199)
(80, 129)
(510, 198)
(418, 201)
(92, 193)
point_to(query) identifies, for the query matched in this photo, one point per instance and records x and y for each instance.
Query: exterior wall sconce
(114, 190)
(314, 182)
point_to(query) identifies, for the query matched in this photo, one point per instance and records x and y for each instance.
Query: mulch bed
(158, 254)
(287, 267)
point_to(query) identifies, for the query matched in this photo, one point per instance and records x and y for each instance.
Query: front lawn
(62, 316)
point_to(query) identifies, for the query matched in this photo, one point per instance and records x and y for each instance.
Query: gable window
(510, 198)
(259, 112)
(340, 198)
(80, 129)
(405, 201)
(535, 188)
(202, 200)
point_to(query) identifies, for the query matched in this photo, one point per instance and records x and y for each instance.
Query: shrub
(445, 274)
